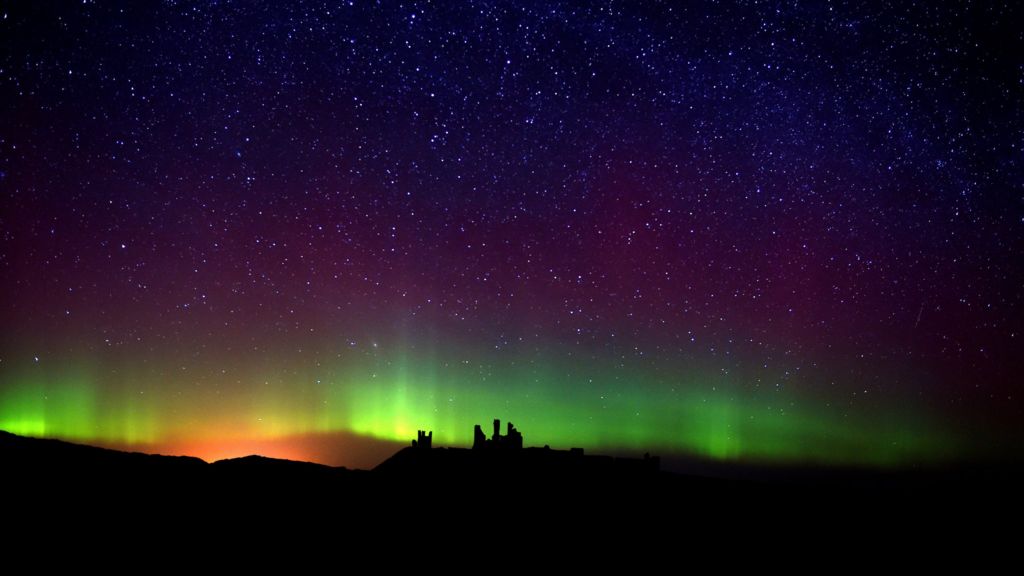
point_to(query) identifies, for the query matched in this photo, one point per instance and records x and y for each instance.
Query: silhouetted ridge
(497, 471)
(44, 454)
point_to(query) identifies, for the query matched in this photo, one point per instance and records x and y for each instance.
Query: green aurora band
(557, 401)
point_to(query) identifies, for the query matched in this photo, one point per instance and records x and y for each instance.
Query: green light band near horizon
(553, 402)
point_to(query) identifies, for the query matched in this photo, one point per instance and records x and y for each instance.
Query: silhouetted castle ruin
(512, 439)
(423, 439)
(507, 450)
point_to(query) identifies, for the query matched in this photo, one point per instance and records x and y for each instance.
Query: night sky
(770, 232)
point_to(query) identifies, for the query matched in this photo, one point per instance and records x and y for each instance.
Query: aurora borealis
(785, 233)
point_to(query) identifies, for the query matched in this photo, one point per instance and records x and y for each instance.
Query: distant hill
(47, 459)
(35, 456)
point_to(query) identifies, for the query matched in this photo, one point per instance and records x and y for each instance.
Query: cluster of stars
(819, 200)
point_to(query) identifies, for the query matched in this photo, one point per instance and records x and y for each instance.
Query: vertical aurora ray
(69, 402)
(50, 403)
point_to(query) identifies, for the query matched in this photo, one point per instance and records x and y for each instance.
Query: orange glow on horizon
(331, 449)
(224, 448)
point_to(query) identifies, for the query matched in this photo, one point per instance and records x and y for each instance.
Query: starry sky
(778, 232)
